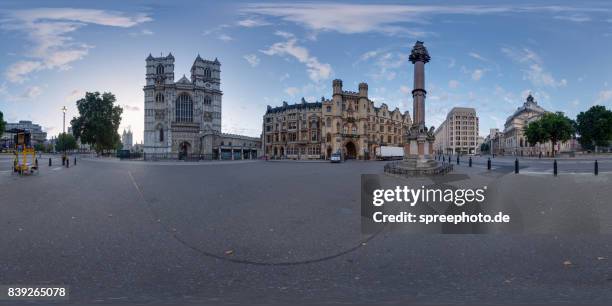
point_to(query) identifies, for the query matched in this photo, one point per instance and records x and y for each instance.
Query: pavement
(256, 232)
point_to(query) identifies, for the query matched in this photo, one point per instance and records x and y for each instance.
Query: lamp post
(64, 109)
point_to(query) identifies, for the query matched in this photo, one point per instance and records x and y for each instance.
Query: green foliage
(484, 147)
(594, 127)
(65, 142)
(98, 121)
(534, 132)
(2, 124)
(553, 127)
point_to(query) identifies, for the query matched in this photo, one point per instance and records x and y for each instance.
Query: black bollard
(489, 164)
(36, 162)
(470, 161)
(555, 168)
(516, 166)
(63, 160)
(49, 161)
(75, 160)
(596, 168)
(540, 156)
(457, 159)
(67, 163)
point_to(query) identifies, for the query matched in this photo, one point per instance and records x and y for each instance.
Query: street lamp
(64, 109)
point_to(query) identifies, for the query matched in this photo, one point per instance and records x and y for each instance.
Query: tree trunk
(554, 144)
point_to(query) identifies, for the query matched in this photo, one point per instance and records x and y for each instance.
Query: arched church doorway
(329, 152)
(184, 149)
(351, 150)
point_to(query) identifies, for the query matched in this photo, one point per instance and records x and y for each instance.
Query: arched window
(207, 73)
(354, 129)
(328, 137)
(159, 97)
(328, 123)
(184, 108)
(160, 69)
(345, 129)
(161, 133)
(207, 100)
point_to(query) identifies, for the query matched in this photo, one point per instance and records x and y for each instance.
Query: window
(160, 69)
(159, 97)
(184, 108)
(329, 109)
(328, 122)
(337, 127)
(207, 100)
(207, 73)
(354, 130)
(314, 136)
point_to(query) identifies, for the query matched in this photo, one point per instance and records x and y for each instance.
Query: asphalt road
(265, 232)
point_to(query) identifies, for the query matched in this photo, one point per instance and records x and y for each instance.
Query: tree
(553, 127)
(65, 142)
(98, 121)
(594, 127)
(2, 124)
(484, 147)
(534, 133)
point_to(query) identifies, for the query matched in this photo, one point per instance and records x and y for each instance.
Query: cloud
(317, 71)
(603, 96)
(143, 32)
(453, 84)
(478, 56)
(386, 63)
(31, 92)
(252, 22)
(391, 19)
(131, 108)
(533, 67)
(574, 18)
(74, 96)
(48, 29)
(477, 74)
(225, 37)
(292, 91)
(405, 89)
(252, 59)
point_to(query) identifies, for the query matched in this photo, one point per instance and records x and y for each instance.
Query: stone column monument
(418, 140)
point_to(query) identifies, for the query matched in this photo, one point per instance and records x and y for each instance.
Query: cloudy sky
(484, 55)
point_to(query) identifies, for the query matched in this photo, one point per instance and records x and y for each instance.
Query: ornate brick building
(348, 123)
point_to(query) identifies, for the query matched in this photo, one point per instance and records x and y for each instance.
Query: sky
(487, 55)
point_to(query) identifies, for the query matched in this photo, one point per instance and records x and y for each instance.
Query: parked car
(335, 158)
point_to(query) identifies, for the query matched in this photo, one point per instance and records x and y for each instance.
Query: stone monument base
(417, 167)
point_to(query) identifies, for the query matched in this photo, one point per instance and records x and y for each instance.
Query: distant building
(513, 140)
(37, 134)
(126, 139)
(348, 123)
(458, 133)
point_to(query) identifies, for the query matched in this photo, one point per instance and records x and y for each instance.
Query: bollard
(457, 159)
(67, 163)
(36, 162)
(75, 160)
(489, 164)
(540, 156)
(596, 168)
(63, 160)
(470, 161)
(49, 161)
(555, 168)
(516, 166)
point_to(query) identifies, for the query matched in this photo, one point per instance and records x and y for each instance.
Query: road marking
(57, 168)
(5, 171)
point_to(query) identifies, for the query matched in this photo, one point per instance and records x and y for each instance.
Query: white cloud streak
(317, 71)
(48, 30)
(252, 59)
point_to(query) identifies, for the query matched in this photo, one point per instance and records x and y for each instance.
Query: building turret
(363, 90)
(337, 87)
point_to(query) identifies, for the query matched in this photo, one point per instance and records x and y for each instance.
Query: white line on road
(57, 168)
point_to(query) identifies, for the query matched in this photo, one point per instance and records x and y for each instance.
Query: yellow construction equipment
(25, 155)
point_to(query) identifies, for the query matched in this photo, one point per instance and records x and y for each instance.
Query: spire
(198, 58)
(150, 57)
(170, 56)
(216, 61)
